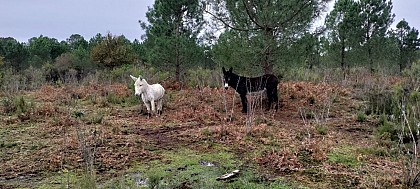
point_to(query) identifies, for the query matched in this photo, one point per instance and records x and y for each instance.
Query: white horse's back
(158, 91)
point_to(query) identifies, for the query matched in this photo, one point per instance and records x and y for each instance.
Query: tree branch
(251, 17)
(227, 24)
(305, 4)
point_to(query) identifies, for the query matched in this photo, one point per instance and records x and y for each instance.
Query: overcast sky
(24, 19)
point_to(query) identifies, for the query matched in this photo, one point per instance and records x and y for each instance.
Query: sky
(24, 19)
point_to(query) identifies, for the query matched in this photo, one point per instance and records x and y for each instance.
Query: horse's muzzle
(226, 86)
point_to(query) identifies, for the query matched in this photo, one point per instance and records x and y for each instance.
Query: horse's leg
(159, 107)
(270, 97)
(276, 99)
(153, 106)
(147, 103)
(244, 103)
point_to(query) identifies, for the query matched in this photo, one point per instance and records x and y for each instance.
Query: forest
(349, 93)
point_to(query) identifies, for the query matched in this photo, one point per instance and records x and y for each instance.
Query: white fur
(149, 93)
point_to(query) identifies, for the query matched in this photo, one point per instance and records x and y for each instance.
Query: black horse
(246, 85)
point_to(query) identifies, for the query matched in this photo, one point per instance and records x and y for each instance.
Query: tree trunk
(343, 65)
(177, 46)
(369, 48)
(267, 63)
(370, 60)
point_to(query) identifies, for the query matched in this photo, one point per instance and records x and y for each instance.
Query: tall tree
(172, 33)
(267, 23)
(376, 18)
(408, 43)
(96, 40)
(44, 49)
(76, 41)
(14, 53)
(344, 29)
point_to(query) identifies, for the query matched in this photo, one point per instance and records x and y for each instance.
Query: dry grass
(279, 144)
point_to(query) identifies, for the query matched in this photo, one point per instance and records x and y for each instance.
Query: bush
(361, 116)
(413, 75)
(386, 129)
(203, 78)
(17, 105)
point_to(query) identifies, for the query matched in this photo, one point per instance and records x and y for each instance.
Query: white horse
(149, 94)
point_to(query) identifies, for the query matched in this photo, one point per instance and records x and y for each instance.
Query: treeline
(254, 37)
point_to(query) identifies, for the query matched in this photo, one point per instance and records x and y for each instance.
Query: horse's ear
(230, 69)
(223, 69)
(140, 77)
(134, 78)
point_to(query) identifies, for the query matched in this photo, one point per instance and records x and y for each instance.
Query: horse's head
(227, 77)
(139, 85)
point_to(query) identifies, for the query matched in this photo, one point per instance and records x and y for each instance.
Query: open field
(58, 136)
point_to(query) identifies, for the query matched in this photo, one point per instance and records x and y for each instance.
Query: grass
(361, 116)
(191, 169)
(345, 156)
(321, 129)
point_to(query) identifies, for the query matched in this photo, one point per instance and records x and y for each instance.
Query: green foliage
(345, 27)
(343, 156)
(408, 43)
(361, 116)
(76, 41)
(412, 75)
(357, 34)
(17, 105)
(13, 54)
(386, 129)
(171, 43)
(375, 151)
(261, 31)
(376, 18)
(201, 78)
(321, 129)
(379, 102)
(44, 49)
(113, 51)
(87, 181)
(114, 99)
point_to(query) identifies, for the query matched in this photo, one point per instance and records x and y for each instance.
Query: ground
(315, 140)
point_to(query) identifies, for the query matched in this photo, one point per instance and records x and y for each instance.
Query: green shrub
(201, 78)
(114, 99)
(413, 75)
(8, 106)
(321, 129)
(361, 116)
(18, 105)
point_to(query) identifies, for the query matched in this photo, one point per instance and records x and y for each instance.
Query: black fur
(245, 85)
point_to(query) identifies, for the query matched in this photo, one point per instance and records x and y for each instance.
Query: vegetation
(68, 116)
